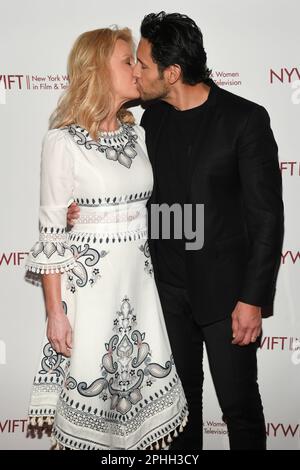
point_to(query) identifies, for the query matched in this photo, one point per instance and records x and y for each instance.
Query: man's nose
(136, 71)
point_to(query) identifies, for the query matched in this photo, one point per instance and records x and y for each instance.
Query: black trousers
(233, 369)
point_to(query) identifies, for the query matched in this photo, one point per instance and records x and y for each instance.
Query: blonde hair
(88, 98)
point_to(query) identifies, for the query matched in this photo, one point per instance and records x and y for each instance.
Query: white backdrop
(253, 49)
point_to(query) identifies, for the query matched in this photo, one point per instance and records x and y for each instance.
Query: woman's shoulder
(56, 134)
(57, 137)
(56, 144)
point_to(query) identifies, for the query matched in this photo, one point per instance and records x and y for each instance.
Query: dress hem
(158, 440)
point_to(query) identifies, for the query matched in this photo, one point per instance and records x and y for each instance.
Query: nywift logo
(49, 82)
(284, 75)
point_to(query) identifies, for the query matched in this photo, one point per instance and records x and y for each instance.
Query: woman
(106, 377)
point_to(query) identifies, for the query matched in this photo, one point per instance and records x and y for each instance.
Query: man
(208, 146)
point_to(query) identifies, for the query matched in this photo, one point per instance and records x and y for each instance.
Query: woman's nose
(136, 72)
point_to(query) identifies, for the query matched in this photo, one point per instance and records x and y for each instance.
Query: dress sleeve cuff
(50, 258)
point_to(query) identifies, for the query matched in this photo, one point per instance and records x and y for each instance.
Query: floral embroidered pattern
(117, 146)
(95, 276)
(51, 256)
(51, 362)
(49, 248)
(148, 265)
(88, 257)
(126, 366)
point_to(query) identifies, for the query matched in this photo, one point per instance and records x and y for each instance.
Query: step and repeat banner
(253, 50)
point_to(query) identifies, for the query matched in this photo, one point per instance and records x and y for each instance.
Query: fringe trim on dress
(51, 268)
(159, 440)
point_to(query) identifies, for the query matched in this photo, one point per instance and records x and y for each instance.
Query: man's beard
(153, 94)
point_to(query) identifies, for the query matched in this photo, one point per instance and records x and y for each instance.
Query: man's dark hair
(176, 39)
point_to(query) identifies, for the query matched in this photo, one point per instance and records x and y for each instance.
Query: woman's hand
(73, 214)
(59, 332)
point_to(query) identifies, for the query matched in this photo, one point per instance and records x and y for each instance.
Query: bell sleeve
(52, 252)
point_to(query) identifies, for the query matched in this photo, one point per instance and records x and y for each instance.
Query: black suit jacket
(234, 172)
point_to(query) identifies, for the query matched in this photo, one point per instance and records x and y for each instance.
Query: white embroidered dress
(119, 389)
